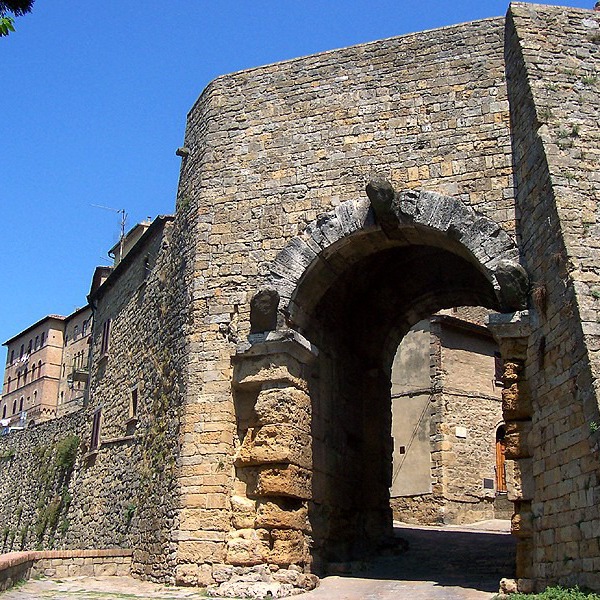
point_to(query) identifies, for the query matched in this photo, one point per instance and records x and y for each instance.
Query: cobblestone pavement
(450, 563)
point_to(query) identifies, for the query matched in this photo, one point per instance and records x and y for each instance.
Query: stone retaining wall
(19, 566)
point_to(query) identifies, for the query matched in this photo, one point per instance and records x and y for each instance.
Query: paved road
(440, 564)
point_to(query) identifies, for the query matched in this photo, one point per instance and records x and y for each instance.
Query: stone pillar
(274, 459)
(512, 332)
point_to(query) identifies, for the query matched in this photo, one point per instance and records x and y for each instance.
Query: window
(8, 385)
(34, 397)
(43, 338)
(147, 268)
(133, 404)
(18, 379)
(25, 376)
(22, 351)
(37, 342)
(75, 331)
(66, 338)
(29, 346)
(12, 356)
(14, 407)
(95, 438)
(84, 327)
(33, 372)
(498, 368)
(21, 404)
(105, 337)
(4, 412)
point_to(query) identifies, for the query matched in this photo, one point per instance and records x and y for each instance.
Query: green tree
(10, 9)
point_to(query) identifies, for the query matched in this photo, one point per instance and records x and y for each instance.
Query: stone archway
(312, 390)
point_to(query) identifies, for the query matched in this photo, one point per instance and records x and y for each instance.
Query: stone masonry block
(284, 480)
(243, 512)
(248, 547)
(289, 547)
(284, 405)
(196, 519)
(277, 513)
(190, 552)
(256, 371)
(516, 404)
(275, 444)
(517, 439)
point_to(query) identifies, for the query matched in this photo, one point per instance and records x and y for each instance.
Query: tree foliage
(8, 8)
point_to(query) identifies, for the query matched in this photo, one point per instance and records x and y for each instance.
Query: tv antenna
(123, 214)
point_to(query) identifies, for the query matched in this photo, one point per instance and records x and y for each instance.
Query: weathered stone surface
(519, 480)
(517, 439)
(289, 480)
(263, 310)
(284, 405)
(289, 547)
(522, 524)
(247, 547)
(198, 519)
(279, 443)
(243, 512)
(514, 285)
(277, 513)
(261, 370)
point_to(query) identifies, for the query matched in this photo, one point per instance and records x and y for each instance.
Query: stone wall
(272, 148)
(19, 566)
(65, 491)
(136, 390)
(552, 57)
(56, 495)
(278, 157)
(41, 473)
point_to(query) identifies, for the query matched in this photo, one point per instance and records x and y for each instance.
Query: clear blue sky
(93, 102)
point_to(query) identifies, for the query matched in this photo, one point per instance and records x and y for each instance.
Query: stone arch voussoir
(401, 216)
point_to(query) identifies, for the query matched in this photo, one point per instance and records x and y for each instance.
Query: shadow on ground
(447, 557)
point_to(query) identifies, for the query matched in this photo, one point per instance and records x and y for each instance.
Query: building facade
(33, 372)
(446, 415)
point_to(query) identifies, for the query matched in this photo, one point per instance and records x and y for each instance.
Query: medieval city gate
(263, 333)
(313, 390)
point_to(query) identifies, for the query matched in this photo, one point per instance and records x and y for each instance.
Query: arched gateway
(312, 388)
(247, 341)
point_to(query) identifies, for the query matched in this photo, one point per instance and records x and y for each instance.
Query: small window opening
(95, 437)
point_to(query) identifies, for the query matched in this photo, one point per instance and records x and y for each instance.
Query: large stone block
(522, 523)
(516, 403)
(517, 442)
(284, 480)
(284, 405)
(289, 547)
(524, 560)
(279, 513)
(243, 512)
(519, 479)
(275, 444)
(197, 519)
(248, 547)
(200, 551)
(256, 371)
